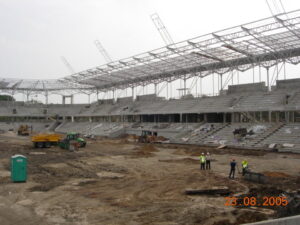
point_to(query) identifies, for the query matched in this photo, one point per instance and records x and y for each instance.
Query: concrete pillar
(293, 117)
(270, 116)
(260, 117)
(224, 117)
(180, 118)
(287, 117)
(90, 119)
(72, 119)
(277, 117)
(268, 79)
(205, 117)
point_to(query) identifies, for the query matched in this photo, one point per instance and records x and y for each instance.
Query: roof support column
(132, 92)
(184, 85)
(200, 89)
(268, 78)
(46, 96)
(284, 70)
(89, 98)
(213, 83)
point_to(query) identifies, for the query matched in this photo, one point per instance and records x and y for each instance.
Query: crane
(103, 51)
(162, 29)
(68, 65)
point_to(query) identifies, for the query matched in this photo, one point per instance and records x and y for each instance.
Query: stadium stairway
(286, 134)
(269, 132)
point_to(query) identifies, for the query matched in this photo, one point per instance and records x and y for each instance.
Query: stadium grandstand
(268, 110)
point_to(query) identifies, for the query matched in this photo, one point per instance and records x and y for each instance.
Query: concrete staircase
(201, 139)
(271, 131)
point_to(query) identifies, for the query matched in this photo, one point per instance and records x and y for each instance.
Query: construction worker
(207, 161)
(232, 168)
(244, 166)
(202, 161)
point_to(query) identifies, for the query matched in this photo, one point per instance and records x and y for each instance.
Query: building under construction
(267, 111)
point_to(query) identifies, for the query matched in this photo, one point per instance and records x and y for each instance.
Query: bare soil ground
(121, 182)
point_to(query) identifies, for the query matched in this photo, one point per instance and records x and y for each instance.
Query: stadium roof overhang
(264, 43)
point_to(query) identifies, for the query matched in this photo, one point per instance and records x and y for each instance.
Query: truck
(46, 140)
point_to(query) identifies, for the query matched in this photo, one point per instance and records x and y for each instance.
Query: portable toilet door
(18, 168)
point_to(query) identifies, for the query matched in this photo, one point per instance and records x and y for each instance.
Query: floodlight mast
(68, 65)
(103, 52)
(162, 29)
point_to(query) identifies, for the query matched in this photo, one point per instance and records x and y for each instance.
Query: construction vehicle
(147, 136)
(72, 139)
(23, 130)
(45, 140)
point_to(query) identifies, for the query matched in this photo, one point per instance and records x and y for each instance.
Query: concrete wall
(293, 220)
(126, 99)
(242, 88)
(106, 101)
(286, 84)
(151, 97)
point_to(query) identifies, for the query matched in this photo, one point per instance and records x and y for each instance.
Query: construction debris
(255, 177)
(211, 191)
(287, 145)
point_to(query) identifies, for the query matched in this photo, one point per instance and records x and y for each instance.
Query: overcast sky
(34, 34)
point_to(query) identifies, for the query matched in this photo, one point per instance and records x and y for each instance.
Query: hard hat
(207, 153)
(202, 153)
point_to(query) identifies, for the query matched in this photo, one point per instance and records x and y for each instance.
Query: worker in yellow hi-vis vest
(202, 161)
(244, 166)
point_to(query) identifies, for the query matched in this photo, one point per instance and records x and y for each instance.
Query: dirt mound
(161, 138)
(145, 150)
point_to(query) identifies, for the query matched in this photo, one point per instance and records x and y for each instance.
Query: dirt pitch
(120, 182)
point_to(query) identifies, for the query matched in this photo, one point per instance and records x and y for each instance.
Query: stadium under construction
(267, 44)
(116, 179)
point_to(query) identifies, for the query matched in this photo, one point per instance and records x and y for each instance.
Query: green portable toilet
(18, 168)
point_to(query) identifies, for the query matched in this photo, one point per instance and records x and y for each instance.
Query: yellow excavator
(23, 130)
